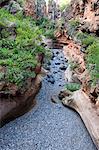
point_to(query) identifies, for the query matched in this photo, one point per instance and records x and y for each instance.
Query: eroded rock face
(12, 6)
(3, 2)
(30, 8)
(88, 13)
(15, 106)
(54, 12)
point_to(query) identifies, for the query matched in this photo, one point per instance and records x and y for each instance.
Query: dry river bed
(48, 126)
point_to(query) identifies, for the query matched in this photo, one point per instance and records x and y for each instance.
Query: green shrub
(47, 27)
(88, 40)
(91, 42)
(72, 27)
(73, 65)
(85, 38)
(19, 56)
(80, 35)
(92, 59)
(72, 87)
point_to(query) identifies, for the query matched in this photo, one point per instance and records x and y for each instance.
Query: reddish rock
(12, 107)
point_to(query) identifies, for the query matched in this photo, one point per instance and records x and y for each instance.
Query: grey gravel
(48, 126)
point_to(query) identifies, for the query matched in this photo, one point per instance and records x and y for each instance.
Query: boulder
(14, 7)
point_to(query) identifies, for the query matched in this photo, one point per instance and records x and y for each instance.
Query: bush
(72, 27)
(85, 38)
(19, 56)
(73, 65)
(91, 42)
(92, 59)
(72, 87)
(47, 27)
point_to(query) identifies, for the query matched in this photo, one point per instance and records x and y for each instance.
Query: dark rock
(47, 68)
(62, 67)
(51, 79)
(49, 63)
(57, 52)
(66, 60)
(63, 94)
(55, 72)
(57, 63)
(53, 57)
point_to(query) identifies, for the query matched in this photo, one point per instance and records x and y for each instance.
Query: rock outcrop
(15, 106)
(87, 11)
(12, 6)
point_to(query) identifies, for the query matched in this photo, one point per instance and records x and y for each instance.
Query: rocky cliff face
(39, 9)
(34, 8)
(87, 11)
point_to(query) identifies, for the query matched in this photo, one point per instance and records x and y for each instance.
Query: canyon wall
(87, 11)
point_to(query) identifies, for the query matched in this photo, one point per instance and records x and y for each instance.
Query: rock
(57, 53)
(3, 1)
(55, 72)
(13, 6)
(53, 57)
(63, 94)
(47, 68)
(12, 88)
(49, 63)
(55, 99)
(2, 83)
(87, 12)
(51, 79)
(8, 29)
(11, 24)
(57, 63)
(62, 67)
(66, 60)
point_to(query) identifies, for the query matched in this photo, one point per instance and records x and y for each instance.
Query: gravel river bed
(49, 125)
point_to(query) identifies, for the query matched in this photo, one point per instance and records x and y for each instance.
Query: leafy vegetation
(73, 65)
(92, 60)
(91, 42)
(64, 4)
(47, 26)
(19, 49)
(85, 38)
(91, 45)
(72, 86)
(72, 27)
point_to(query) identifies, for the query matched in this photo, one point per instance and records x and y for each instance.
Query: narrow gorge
(49, 75)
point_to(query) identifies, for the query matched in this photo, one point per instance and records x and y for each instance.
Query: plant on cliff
(72, 27)
(20, 44)
(72, 87)
(92, 59)
(47, 26)
(86, 39)
(91, 44)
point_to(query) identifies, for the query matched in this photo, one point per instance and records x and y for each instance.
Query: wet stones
(54, 72)
(50, 79)
(57, 53)
(48, 68)
(57, 63)
(63, 67)
(56, 68)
